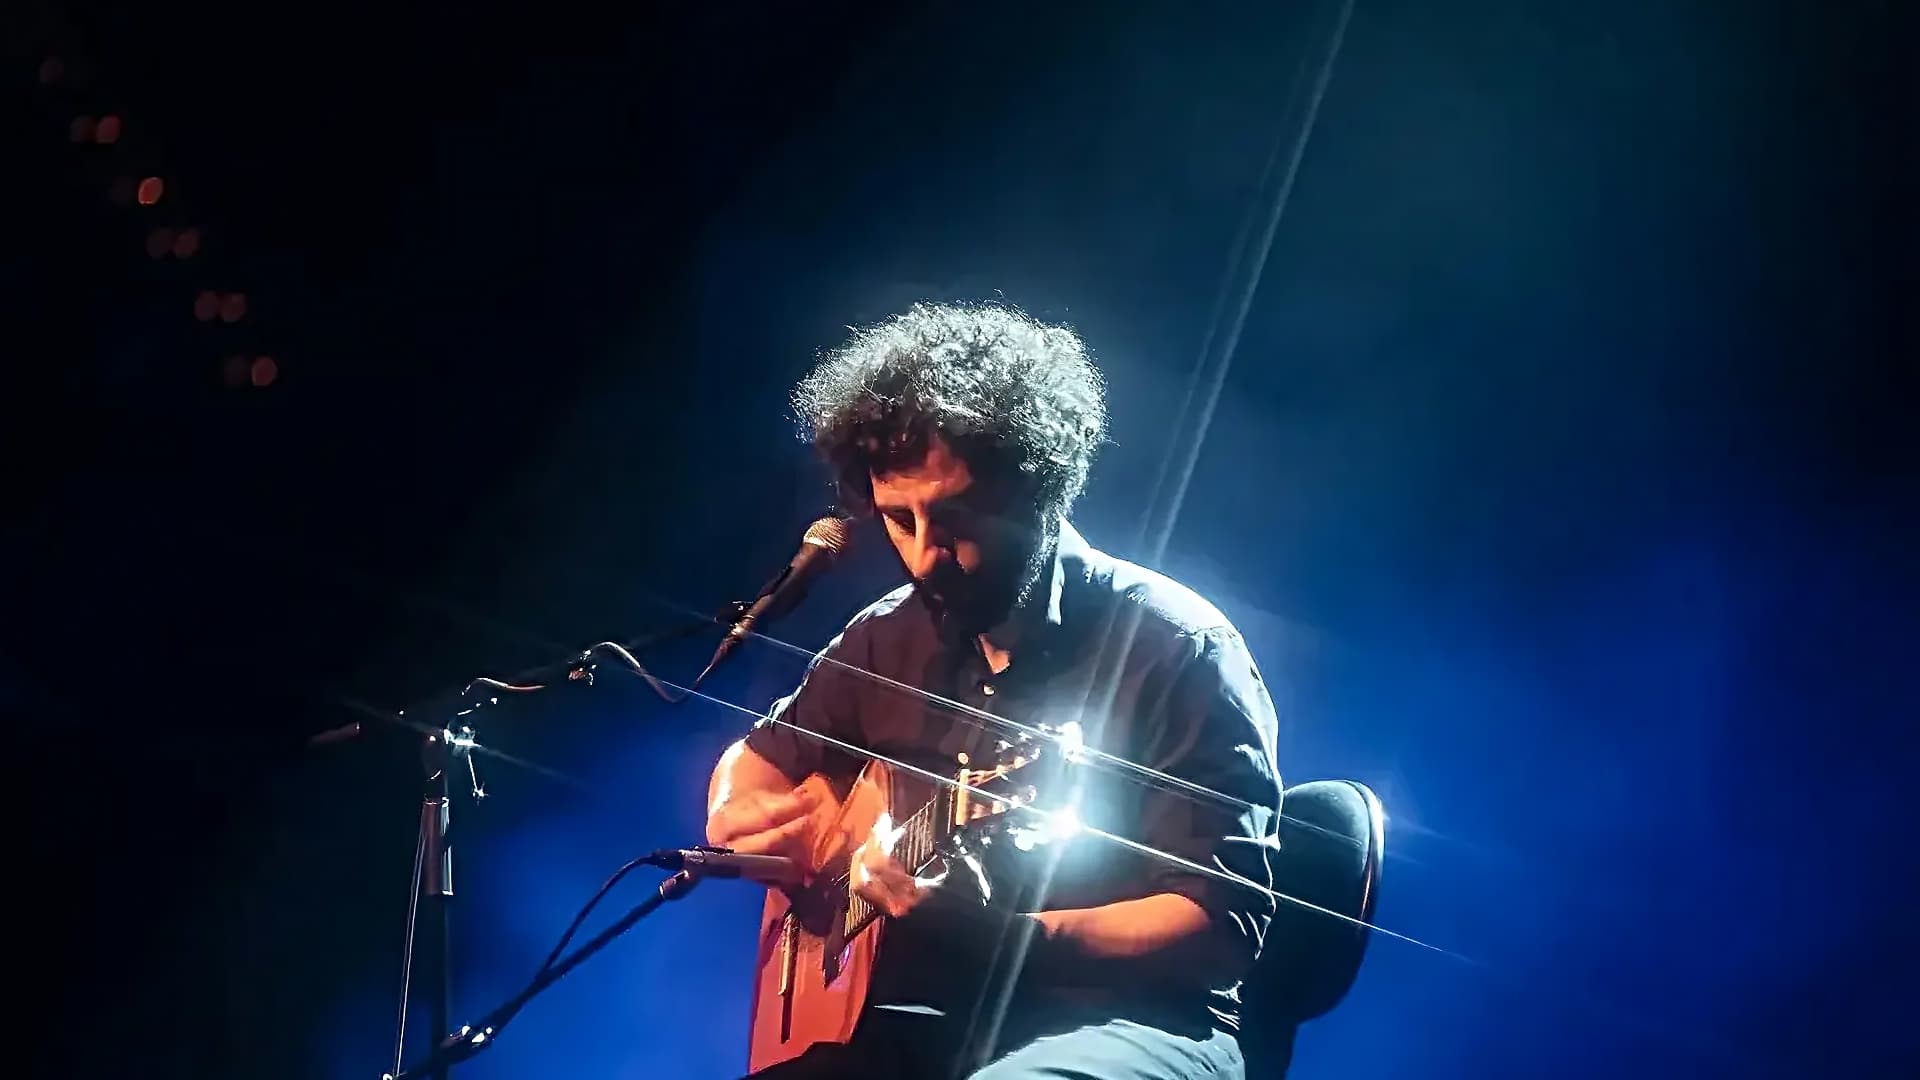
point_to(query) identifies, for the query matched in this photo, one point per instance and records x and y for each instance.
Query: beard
(968, 604)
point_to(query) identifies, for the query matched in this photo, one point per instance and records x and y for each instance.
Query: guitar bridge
(789, 937)
(789, 944)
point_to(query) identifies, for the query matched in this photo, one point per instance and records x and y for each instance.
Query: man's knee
(1084, 1054)
(1117, 1051)
(1018, 1068)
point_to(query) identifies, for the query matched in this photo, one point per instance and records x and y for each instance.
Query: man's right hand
(765, 823)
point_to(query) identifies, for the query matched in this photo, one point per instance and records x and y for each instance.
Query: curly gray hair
(1015, 398)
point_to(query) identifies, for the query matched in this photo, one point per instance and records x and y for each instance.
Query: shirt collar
(1040, 618)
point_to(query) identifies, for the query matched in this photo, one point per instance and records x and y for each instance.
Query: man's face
(969, 548)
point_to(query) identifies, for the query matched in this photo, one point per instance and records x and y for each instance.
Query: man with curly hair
(968, 431)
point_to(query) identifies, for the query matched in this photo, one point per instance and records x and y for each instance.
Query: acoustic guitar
(819, 941)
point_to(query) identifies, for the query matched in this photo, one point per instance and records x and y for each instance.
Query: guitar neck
(919, 834)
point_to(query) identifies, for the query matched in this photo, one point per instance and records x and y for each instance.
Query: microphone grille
(832, 533)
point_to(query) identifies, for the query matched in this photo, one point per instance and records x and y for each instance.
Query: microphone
(824, 540)
(721, 863)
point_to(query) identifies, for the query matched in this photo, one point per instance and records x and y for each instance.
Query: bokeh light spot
(150, 190)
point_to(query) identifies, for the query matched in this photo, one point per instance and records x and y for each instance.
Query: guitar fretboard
(914, 849)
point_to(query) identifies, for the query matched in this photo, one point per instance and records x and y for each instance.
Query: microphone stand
(435, 873)
(433, 849)
(475, 1037)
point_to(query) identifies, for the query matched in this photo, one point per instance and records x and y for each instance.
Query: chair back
(1332, 838)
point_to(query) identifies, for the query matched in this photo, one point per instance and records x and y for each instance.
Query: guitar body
(818, 941)
(811, 977)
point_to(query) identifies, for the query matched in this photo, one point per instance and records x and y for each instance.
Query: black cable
(460, 1045)
(574, 928)
(664, 689)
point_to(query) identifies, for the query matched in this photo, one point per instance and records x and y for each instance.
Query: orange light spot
(150, 190)
(264, 371)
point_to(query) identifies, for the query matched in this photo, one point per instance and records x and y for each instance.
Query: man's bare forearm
(1164, 934)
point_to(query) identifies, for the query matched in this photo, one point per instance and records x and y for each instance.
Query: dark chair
(1332, 836)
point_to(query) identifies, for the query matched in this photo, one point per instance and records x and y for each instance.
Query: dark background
(1559, 478)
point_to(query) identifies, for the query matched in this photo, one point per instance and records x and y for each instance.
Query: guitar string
(1114, 762)
(936, 778)
(968, 712)
(1177, 784)
(1134, 770)
(1078, 827)
(980, 717)
(988, 719)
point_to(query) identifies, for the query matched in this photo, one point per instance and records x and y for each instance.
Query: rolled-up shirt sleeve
(825, 702)
(1218, 730)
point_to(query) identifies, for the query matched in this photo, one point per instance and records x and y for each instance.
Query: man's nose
(929, 550)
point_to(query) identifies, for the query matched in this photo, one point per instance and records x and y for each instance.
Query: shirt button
(986, 688)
